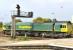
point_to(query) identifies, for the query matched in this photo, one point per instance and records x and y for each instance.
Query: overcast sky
(59, 9)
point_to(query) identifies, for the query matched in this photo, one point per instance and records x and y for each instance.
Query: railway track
(23, 49)
(40, 47)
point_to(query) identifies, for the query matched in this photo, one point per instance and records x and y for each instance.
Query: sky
(62, 10)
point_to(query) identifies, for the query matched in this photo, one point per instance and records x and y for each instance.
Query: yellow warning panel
(64, 29)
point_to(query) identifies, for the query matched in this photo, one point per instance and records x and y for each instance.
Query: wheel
(36, 34)
(44, 34)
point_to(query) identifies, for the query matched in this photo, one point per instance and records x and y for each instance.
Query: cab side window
(60, 26)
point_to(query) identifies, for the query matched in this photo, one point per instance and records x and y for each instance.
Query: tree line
(38, 20)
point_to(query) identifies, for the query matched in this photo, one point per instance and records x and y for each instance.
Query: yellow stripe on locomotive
(25, 27)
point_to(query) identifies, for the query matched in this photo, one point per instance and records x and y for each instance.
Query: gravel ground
(67, 42)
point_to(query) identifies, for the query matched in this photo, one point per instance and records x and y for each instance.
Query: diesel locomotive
(50, 29)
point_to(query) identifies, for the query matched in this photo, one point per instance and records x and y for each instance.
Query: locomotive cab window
(62, 26)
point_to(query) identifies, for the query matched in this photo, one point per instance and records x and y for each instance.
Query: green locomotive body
(51, 29)
(40, 29)
(42, 26)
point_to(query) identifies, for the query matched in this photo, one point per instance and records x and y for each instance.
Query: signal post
(18, 14)
(13, 28)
